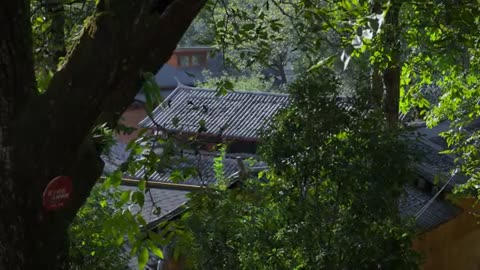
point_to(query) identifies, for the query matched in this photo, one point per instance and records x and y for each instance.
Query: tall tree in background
(404, 48)
(403, 45)
(44, 135)
(328, 201)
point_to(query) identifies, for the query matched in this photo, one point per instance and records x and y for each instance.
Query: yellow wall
(453, 245)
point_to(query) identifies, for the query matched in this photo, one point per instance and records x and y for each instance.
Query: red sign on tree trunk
(57, 193)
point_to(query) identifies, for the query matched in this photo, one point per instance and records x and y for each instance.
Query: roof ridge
(239, 114)
(184, 87)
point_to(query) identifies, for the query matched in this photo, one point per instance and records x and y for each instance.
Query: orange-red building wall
(453, 245)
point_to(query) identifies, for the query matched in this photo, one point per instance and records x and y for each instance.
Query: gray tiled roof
(164, 201)
(169, 76)
(234, 115)
(434, 164)
(203, 163)
(434, 168)
(439, 211)
(436, 214)
(167, 200)
(115, 156)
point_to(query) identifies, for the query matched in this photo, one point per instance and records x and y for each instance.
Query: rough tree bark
(16, 86)
(43, 136)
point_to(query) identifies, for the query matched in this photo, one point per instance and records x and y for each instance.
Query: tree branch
(102, 74)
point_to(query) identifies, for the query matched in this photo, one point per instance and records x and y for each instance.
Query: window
(183, 60)
(192, 60)
(198, 60)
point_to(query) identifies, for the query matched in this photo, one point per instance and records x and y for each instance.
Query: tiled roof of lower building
(160, 203)
(435, 166)
(115, 156)
(172, 199)
(202, 165)
(238, 114)
(437, 212)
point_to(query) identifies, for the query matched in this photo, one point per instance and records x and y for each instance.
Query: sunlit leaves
(218, 168)
(43, 79)
(142, 257)
(113, 180)
(331, 168)
(323, 63)
(45, 43)
(92, 246)
(225, 83)
(155, 249)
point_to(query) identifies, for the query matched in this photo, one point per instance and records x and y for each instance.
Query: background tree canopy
(421, 57)
(330, 198)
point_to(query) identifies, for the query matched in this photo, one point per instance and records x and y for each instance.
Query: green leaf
(119, 240)
(155, 249)
(142, 185)
(103, 203)
(248, 27)
(141, 220)
(346, 4)
(139, 198)
(324, 62)
(124, 197)
(176, 176)
(141, 132)
(203, 126)
(156, 238)
(228, 85)
(114, 180)
(142, 258)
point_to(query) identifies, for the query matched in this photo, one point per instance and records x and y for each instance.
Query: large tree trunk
(44, 136)
(16, 85)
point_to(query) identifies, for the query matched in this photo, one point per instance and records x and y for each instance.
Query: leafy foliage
(330, 201)
(444, 54)
(331, 197)
(56, 25)
(434, 45)
(91, 246)
(253, 82)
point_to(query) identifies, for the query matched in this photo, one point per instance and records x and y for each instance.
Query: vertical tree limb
(16, 86)
(391, 75)
(377, 78)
